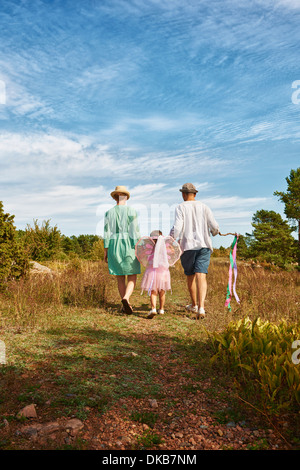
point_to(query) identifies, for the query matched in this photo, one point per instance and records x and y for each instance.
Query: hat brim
(114, 193)
(188, 191)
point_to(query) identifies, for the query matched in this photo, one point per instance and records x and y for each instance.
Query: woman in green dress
(121, 233)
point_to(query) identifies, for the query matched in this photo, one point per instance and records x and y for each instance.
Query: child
(157, 253)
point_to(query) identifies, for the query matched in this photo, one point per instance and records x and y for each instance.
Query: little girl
(160, 253)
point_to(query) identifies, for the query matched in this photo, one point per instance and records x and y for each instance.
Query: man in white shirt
(194, 223)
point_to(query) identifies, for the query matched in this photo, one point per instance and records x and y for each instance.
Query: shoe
(200, 313)
(127, 307)
(190, 308)
(152, 313)
(161, 312)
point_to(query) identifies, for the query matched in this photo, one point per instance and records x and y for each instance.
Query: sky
(150, 94)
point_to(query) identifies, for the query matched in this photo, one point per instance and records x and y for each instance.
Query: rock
(6, 423)
(37, 268)
(74, 425)
(231, 424)
(28, 412)
(31, 432)
(153, 403)
(220, 432)
(50, 428)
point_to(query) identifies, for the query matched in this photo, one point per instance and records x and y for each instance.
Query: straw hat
(120, 190)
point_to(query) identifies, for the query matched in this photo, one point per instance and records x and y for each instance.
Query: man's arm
(212, 223)
(177, 228)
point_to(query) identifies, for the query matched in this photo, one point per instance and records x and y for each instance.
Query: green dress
(121, 233)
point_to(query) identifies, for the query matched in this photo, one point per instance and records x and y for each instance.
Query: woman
(121, 233)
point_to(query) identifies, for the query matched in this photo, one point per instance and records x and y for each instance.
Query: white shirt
(194, 222)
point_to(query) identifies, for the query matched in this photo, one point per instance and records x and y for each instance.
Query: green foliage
(144, 417)
(42, 242)
(13, 260)
(260, 353)
(291, 200)
(271, 239)
(221, 252)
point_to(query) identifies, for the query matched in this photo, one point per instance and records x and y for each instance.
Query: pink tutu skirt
(156, 279)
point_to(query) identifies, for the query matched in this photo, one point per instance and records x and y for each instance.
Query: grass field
(135, 383)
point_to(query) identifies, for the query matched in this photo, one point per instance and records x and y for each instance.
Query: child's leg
(162, 299)
(153, 298)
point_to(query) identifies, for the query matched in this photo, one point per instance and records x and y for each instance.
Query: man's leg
(201, 268)
(192, 287)
(201, 288)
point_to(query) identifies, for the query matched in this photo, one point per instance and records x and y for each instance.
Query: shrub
(42, 242)
(260, 353)
(13, 261)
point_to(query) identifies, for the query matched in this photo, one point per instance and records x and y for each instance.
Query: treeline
(271, 240)
(42, 242)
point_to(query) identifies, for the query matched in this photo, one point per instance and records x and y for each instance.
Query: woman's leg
(129, 288)
(121, 285)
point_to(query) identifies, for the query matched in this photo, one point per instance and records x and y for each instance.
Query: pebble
(28, 411)
(153, 403)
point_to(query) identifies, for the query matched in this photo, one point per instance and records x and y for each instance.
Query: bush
(13, 260)
(260, 354)
(42, 242)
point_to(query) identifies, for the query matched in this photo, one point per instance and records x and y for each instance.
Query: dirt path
(184, 404)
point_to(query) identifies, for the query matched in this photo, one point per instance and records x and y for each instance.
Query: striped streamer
(232, 267)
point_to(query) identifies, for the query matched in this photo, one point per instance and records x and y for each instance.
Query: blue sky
(151, 95)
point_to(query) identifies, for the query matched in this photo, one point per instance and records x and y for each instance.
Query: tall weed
(37, 299)
(260, 353)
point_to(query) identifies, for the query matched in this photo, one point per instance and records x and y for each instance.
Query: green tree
(291, 200)
(42, 242)
(13, 259)
(97, 252)
(86, 243)
(271, 239)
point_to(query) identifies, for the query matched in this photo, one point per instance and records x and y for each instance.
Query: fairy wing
(173, 250)
(144, 250)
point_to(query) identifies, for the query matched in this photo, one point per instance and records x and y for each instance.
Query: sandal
(127, 307)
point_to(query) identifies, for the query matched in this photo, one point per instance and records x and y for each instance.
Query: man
(194, 222)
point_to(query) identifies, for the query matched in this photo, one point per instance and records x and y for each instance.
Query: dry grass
(37, 300)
